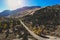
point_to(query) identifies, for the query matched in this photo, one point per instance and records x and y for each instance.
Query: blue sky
(41, 3)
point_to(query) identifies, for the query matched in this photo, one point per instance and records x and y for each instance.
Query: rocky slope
(49, 17)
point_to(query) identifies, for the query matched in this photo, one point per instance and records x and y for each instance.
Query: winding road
(36, 36)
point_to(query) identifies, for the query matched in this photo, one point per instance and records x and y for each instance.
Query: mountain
(20, 12)
(6, 13)
(48, 15)
(47, 18)
(26, 8)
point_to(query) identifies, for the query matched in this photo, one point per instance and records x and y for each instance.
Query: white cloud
(14, 4)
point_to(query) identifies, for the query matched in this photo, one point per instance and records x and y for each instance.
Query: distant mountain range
(6, 13)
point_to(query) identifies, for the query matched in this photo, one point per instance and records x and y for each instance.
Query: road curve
(36, 36)
(33, 34)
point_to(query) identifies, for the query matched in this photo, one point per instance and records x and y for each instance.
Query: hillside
(47, 18)
(5, 13)
(24, 11)
(41, 21)
(8, 13)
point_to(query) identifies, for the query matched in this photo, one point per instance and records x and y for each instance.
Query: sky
(14, 4)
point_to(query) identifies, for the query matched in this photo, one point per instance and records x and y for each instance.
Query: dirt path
(36, 36)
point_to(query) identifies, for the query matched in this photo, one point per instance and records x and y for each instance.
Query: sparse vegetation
(43, 21)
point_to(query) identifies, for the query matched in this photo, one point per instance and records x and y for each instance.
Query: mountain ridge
(9, 12)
